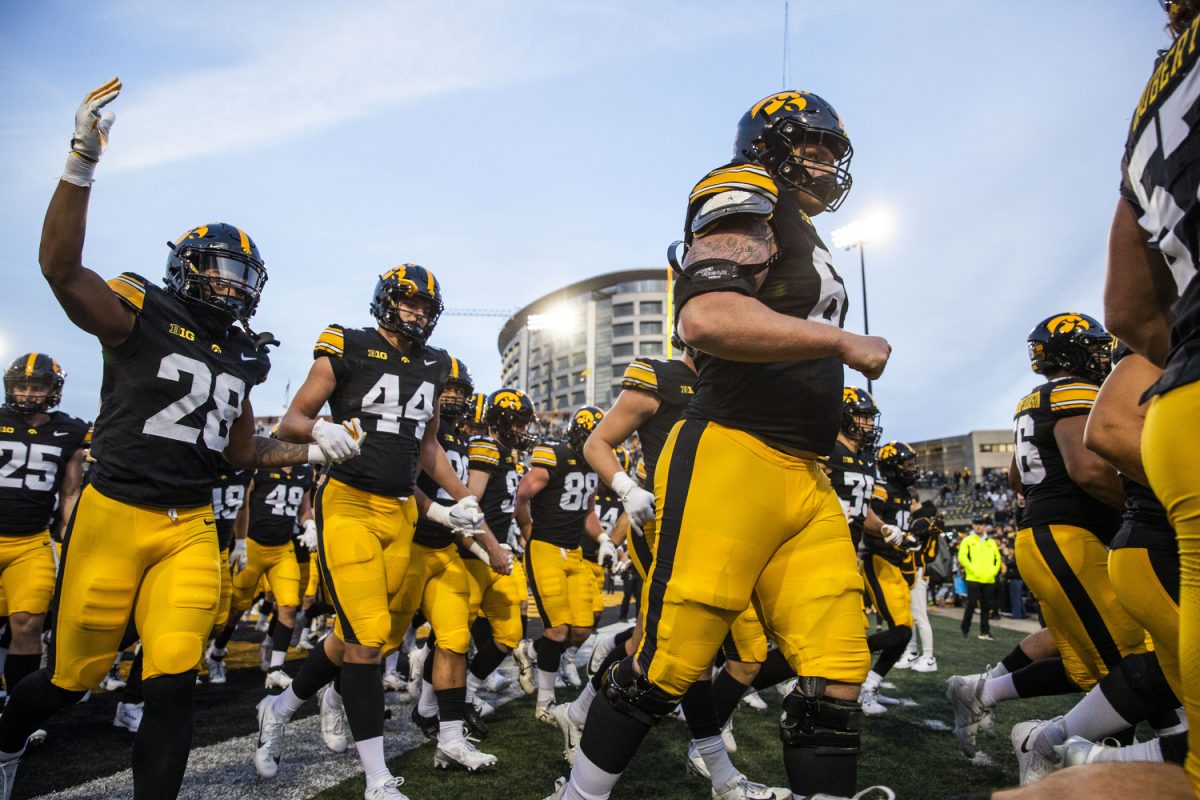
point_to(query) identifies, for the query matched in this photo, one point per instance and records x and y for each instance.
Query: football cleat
(727, 737)
(869, 793)
(963, 693)
(392, 682)
(745, 789)
(496, 683)
(1077, 751)
(307, 640)
(560, 790)
(569, 672)
(905, 661)
(570, 731)
(462, 752)
(925, 664)
(987, 637)
(277, 679)
(112, 681)
(1031, 765)
(483, 708)
(869, 700)
(427, 725)
(604, 646)
(527, 664)
(388, 790)
(216, 667)
(270, 739)
(128, 716)
(559, 681)
(416, 666)
(752, 699)
(545, 715)
(786, 687)
(335, 730)
(474, 720)
(262, 623)
(8, 771)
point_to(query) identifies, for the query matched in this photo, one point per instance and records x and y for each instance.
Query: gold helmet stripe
(453, 367)
(29, 364)
(244, 241)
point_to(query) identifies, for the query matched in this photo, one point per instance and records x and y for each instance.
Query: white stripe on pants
(920, 613)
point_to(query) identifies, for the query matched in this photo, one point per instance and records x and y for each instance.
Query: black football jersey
(560, 509)
(504, 474)
(796, 404)
(429, 533)
(33, 461)
(1160, 177)
(853, 478)
(169, 396)
(275, 504)
(1144, 522)
(394, 395)
(673, 383)
(1051, 497)
(893, 505)
(228, 496)
(608, 510)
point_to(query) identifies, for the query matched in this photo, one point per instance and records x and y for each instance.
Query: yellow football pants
(888, 590)
(1171, 455)
(497, 597)
(747, 641)
(562, 584)
(1066, 568)
(780, 541)
(122, 558)
(27, 572)
(364, 544)
(275, 563)
(436, 583)
(598, 577)
(1144, 581)
(226, 601)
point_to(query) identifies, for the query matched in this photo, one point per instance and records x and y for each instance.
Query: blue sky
(515, 147)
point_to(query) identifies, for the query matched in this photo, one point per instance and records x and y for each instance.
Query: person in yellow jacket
(979, 556)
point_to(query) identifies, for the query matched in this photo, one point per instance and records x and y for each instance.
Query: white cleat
(335, 730)
(545, 715)
(392, 682)
(263, 622)
(388, 790)
(604, 646)
(570, 731)
(963, 693)
(1031, 765)
(560, 790)
(869, 700)
(870, 793)
(1077, 751)
(527, 664)
(270, 739)
(925, 664)
(786, 687)
(306, 640)
(416, 667)
(277, 679)
(112, 681)
(569, 672)
(216, 670)
(727, 736)
(8, 771)
(128, 716)
(496, 682)
(752, 699)
(463, 753)
(745, 789)
(483, 708)
(905, 661)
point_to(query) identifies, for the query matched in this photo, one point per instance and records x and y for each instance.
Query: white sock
(1053, 734)
(450, 731)
(716, 758)
(1142, 751)
(375, 767)
(277, 658)
(473, 685)
(286, 704)
(545, 689)
(578, 710)
(569, 654)
(997, 671)
(333, 697)
(1179, 727)
(997, 690)
(1094, 717)
(427, 706)
(589, 782)
(218, 652)
(873, 680)
(390, 661)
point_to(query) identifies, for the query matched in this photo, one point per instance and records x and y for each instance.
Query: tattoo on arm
(742, 240)
(274, 453)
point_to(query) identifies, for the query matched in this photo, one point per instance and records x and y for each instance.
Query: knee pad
(172, 654)
(635, 696)
(1145, 676)
(825, 724)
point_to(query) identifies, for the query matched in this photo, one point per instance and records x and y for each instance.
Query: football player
(759, 299)
(178, 369)
(367, 509)
(1070, 517)
(228, 497)
(554, 508)
(43, 469)
(438, 586)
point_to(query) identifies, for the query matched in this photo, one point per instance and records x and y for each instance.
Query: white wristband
(79, 171)
(315, 456)
(622, 483)
(440, 514)
(479, 552)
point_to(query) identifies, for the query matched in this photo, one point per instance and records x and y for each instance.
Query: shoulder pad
(331, 342)
(640, 374)
(131, 288)
(727, 204)
(733, 189)
(544, 456)
(484, 450)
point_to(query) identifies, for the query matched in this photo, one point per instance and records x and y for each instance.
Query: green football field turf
(911, 749)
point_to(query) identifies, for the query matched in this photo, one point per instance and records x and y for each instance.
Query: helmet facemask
(811, 160)
(228, 282)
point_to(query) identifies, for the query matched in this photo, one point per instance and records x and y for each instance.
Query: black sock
(164, 739)
(699, 710)
(727, 693)
(524, 627)
(224, 636)
(317, 671)
(1016, 660)
(896, 645)
(481, 631)
(1174, 748)
(614, 655)
(281, 638)
(30, 703)
(621, 639)
(6, 635)
(611, 738)
(487, 657)
(16, 667)
(549, 654)
(452, 704)
(362, 696)
(133, 687)
(774, 670)
(427, 667)
(1043, 678)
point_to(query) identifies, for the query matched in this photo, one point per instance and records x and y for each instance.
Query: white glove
(309, 537)
(639, 504)
(463, 516)
(335, 442)
(91, 134)
(608, 552)
(238, 557)
(891, 534)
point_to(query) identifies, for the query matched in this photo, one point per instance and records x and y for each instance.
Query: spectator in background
(979, 556)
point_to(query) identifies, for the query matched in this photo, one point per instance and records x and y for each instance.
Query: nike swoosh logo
(61, 433)
(427, 363)
(1025, 744)
(251, 358)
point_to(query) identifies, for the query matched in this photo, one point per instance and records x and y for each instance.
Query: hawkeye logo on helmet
(587, 419)
(785, 101)
(887, 451)
(1066, 323)
(849, 395)
(507, 400)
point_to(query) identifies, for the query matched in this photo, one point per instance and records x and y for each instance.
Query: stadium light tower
(857, 234)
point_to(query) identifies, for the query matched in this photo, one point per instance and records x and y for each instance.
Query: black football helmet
(897, 463)
(623, 458)
(583, 422)
(36, 371)
(510, 415)
(1072, 342)
(217, 266)
(402, 283)
(460, 377)
(856, 404)
(800, 140)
